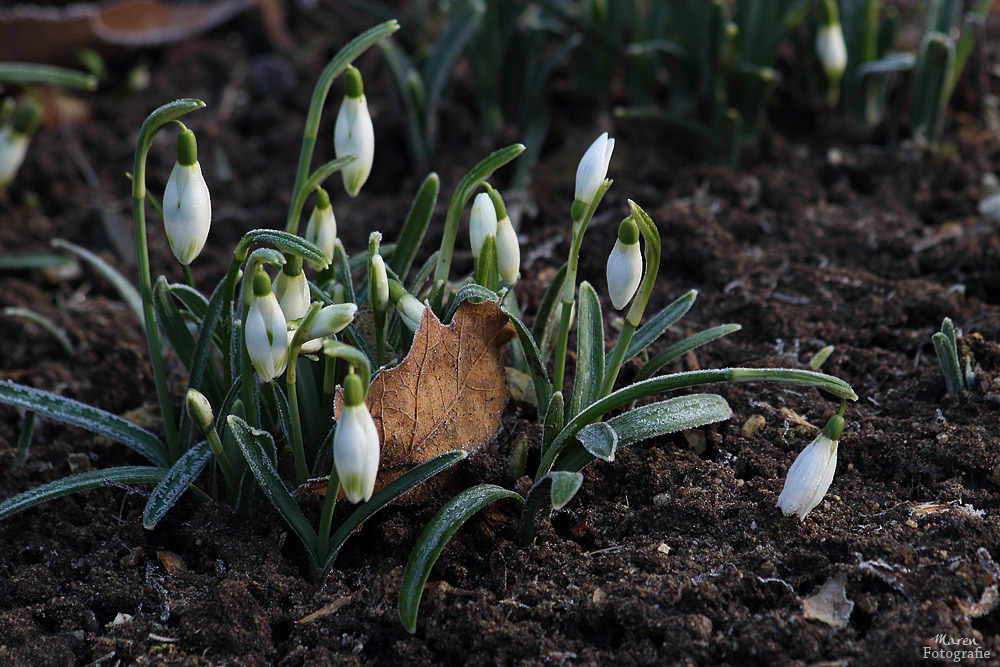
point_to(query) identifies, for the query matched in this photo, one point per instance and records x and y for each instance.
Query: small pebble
(753, 424)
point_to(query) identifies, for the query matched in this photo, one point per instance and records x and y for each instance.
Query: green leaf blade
(173, 485)
(589, 351)
(82, 482)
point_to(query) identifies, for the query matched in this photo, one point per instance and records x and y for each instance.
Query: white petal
(322, 230)
(624, 273)
(809, 477)
(508, 251)
(593, 168)
(292, 293)
(831, 50)
(482, 222)
(266, 337)
(187, 211)
(356, 452)
(354, 134)
(411, 310)
(332, 319)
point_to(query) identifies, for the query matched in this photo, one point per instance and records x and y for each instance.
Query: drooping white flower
(411, 311)
(624, 264)
(379, 282)
(809, 477)
(14, 140)
(830, 46)
(354, 134)
(321, 229)
(292, 289)
(593, 168)
(482, 222)
(266, 330)
(329, 320)
(187, 206)
(356, 446)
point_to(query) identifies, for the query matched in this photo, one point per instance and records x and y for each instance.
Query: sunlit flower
(624, 264)
(593, 168)
(329, 320)
(266, 330)
(187, 206)
(356, 444)
(411, 311)
(354, 134)
(482, 222)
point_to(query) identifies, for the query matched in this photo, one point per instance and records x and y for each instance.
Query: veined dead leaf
(448, 393)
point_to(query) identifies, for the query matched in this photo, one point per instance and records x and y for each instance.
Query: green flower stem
(635, 312)
(314, 181)
(153, 124)
(219, 452)
(569, 287)
(329, 382)
(298, 447)
(326, 517)
(334, 68)
(657, 385)
(57, 76)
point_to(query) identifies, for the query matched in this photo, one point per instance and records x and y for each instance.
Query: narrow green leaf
(547, 310)
(469, 291)
(56, 76)
(656, 325)
(561, 485)
(252, 443)
(462, 23)
(316, 179)
(175, 483)
(169, 317)
(947, 356)
(87, 417)
(554, 419)
(87, 480)
(411, 90)
(486, 269)
(682, 347)
(539, 378)
(45, 323)
(893, 62)
(589, 350)
(417, 221)
(433, 539)
(34, 261)
(126, 290)
(283, 241)
(281, 407)
(344, 269)
(426, 269)
(388, 493)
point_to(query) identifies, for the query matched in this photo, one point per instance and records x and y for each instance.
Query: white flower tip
(593, 168)
(624, 273)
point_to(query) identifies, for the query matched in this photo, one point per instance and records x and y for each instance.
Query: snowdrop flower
(14, 140)
(322, 227)
(329, 320)
(482, 222)
(411, 311)
(187, 207)
(830, 47)
(810, 475)
(379, 284)
(291, 289)
(199, 410)
(266, 330)
(508, 249)
(356, 444)
(353, 133)
(592, 171)
(624, 264)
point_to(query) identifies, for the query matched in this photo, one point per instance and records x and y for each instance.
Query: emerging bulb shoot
(810, 475)
(624, 264)
(356, 445)
(379, 281)
(187, 206)
(354, 134)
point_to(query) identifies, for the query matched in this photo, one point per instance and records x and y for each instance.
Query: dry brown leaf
(448, 393)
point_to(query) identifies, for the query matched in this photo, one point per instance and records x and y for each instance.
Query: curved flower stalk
(354, 134)
(187, 205)
(356, 443)
(811, 474)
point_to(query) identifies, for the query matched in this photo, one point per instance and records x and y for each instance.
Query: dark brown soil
(674, 553)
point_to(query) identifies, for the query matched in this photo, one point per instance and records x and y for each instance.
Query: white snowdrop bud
(14, 140)
(292, 289)
(411, 311)
(592, 171)
(199, 410)
(187, 206)
(353, 133)
(810, 475)
(830, 46)
(266, 330)
(482, 222)
(624, 264)
(379, 282)
(322, 227)
(356, 446)
(508, 248)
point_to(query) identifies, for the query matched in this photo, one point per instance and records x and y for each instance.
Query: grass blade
(175, 483)
(87, 480)
(433, 539)
(126, 290)
(87, 417)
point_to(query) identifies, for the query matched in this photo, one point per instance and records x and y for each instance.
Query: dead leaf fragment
(172, 563)
(448, 393)
(829, 604)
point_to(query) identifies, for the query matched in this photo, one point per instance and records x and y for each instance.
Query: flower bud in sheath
(592, 170)
(356, 446)
(266, 330)
(624, 264)
(322, 227)
(379, 284)
(187, 207)
(508, 248)
(292, 289)
(482, 222)
(353, 133)
(810, 475)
